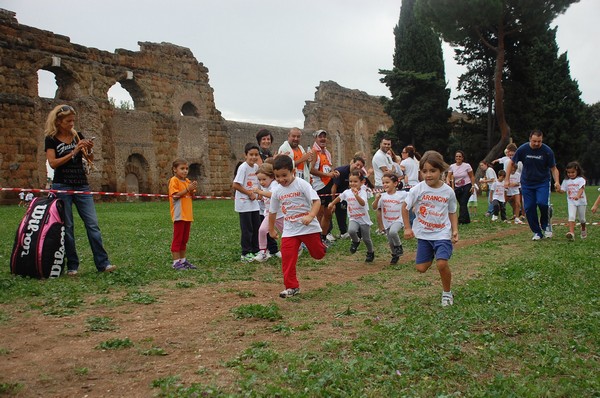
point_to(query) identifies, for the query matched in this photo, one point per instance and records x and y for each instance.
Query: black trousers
(249, 225)
(341, 215)
(462, 196)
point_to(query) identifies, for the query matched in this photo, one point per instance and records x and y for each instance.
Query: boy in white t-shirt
(436, 223)
(498, 196)
(574, 186)
(300, 204)
(246, 203)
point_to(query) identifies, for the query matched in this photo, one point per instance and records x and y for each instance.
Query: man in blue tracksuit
(539, 166)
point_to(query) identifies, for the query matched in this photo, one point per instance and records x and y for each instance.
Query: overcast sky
(266, 57)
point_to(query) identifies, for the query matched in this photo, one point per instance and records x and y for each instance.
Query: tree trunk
(499, 98)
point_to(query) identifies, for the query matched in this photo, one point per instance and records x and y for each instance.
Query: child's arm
(266, 194)
(314, 210)
(272, 231)
(238, 187)
(335, 201)
(191, 188)
(454, 224)
(408, 232)
(376, 201)
(580, 192)
(596, 204)
(360, 200)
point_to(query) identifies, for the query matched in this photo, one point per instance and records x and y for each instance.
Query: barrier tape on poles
(129, 194)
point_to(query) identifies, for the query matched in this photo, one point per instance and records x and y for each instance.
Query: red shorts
(181, 235)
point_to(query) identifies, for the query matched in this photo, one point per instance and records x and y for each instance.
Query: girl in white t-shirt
(574, 186)
(358, 213)
(390, 202)
(266, 179)
(436, 223)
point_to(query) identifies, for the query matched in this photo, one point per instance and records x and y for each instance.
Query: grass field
(526, 320)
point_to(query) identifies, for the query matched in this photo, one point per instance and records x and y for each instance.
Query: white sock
(176, 261)
(447, 293)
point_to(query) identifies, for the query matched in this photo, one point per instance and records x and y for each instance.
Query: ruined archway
(198, 173)
(361, 134)
(120, 98)
(137, 178)
(189, 109)
(335, 128)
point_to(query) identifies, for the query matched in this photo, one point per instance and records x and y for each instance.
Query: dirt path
(56, 357)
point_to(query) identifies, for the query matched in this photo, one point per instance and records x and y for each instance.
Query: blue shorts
(427, 249)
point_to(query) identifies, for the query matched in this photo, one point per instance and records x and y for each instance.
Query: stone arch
(137, 174)
(138, 95)
(189, 109)
(66, 79)
(335, 127)
(361, 137)
(124, 99)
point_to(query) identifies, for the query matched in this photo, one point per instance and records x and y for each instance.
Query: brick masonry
(175, 114)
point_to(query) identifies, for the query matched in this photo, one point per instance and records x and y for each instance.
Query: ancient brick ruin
(175, 114)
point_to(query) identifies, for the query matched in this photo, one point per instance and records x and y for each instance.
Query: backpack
(39, 249)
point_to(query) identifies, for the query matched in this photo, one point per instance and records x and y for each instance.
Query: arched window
(189, 109)
(47, 87)
(120, 98)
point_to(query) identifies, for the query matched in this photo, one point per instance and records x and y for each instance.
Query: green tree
(494, 23)
(540, 93)
(419, 97)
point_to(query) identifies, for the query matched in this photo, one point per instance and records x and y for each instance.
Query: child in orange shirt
(180, 199)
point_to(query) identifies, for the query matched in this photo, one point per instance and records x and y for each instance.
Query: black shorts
(325, 194)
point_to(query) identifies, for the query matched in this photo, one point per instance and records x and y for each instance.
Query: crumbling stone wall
(165, 82)
(351, 118)
(175, 114)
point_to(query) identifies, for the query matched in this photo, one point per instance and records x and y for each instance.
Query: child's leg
(502, 210)
(176, 243)
(246, 229)
(314, 244)
(496, 206)
(365, 231)
(263, 231)
(581, 217)
(187, 226)
(393, 236)
(572, 214)
(425, 254)
(353, 229)
(445, 274)
(255, 219)
(289, 258)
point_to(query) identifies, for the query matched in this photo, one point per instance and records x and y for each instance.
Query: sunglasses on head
(65, 109)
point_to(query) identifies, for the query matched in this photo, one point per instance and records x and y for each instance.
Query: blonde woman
(65, 149)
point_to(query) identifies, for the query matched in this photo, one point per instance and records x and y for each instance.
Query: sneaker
(583, 234)
(370, 257)
(188, 265)
(518, 220)
(262, 256)
(72, 272)
(301, 248)
(447, 299)
(278, 254)
(109, 268)
(345, 236)
(494, 218)
(326, 243)
(397, 252)
(289, 292)
(548, 234)
(330, 237)
(179, 266)
(536, 237)
(380, 232)
(570, 236)
(247, 258)
(354, 246)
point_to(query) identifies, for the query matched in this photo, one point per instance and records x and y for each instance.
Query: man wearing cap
(294, 150)
(322, 180)
(382, 163)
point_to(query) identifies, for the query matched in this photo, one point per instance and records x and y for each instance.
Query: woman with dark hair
(264, 138)
(410, 167)
(66, 150)
(460, 177)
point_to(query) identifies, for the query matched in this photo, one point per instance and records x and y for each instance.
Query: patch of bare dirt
(194, 327)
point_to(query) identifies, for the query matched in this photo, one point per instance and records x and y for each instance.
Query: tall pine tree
(419, 97)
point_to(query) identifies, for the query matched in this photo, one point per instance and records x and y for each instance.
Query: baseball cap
(319, 132)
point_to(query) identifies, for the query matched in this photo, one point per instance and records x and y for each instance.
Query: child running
(390, 202)
(300, 204)
(472, 203)
(246, 203)
(513, 194)
(436, 223)
(181, 191)
(358, 213)
(574, 186)
(498, 196)
(266, 178)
